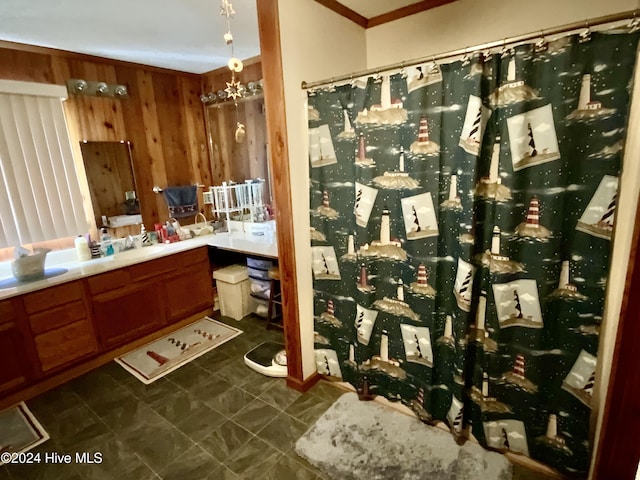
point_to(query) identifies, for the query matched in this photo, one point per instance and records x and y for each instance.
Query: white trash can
(234, 291)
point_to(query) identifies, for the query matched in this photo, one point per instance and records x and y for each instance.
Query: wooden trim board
(618, 445)
(405, 12)
(304, 385)
(390, 16)
(344, 11)
(269, 28)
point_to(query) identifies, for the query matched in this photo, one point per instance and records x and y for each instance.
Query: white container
(234, 291)
(82, 248)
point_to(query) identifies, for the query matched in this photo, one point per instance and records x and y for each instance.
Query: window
(40, 195)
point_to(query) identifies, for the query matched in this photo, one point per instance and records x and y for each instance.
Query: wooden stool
(275, 298)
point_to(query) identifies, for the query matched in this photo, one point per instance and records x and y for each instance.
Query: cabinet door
(14, 364)
(65, 345)
(189, 292)
(126, 315)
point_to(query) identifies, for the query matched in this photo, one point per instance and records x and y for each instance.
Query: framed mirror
(239, 160)
(112, 183)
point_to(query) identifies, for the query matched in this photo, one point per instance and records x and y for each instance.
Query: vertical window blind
(40, 196)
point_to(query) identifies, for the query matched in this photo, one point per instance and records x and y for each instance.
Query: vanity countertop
(263, 246)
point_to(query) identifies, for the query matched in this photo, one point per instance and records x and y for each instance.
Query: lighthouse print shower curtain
(461, 220)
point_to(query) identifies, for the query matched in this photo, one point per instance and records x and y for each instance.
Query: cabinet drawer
(7, 312)
(261, 263)
(154, 268)
(64, 345)
(191, 257)
(57, 317)
(257, 273)
(52, 297)
(108, 281)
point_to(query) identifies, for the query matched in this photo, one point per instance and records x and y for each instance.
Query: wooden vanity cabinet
(45, 333)
(14, 360)
(133, 301)
(128, 313)
(189, 289)
(61, 326)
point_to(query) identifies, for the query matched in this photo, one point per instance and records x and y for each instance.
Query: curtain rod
(585, 24)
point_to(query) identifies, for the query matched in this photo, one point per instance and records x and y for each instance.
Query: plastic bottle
(82, 248)
(105, 243)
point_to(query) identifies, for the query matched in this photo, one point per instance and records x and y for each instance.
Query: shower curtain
(461, 221)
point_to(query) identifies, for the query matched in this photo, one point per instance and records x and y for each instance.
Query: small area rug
(160, 357)
(19, 432)
(356, 440)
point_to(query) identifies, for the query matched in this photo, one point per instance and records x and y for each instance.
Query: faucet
(129, 243)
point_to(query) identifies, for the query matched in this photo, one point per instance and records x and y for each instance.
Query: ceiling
(184, 35)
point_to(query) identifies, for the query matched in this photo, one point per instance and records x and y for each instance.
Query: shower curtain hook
(541, 45)
(585, 35)
(504, 51)
(466, 58)
(403, 72)
(634, 25)
(434, 65)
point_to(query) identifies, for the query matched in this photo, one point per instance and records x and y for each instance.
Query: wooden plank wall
(163, 117)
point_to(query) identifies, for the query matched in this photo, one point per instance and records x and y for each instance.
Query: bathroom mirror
(112, 184)
(239, 160)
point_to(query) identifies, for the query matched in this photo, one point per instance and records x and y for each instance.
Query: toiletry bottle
(158, 229)
(171, 231)
(105, 243)
(82, 248)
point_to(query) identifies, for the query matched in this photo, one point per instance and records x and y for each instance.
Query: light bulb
(81, 85)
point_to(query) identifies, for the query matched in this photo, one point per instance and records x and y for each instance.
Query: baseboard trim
(304, 385)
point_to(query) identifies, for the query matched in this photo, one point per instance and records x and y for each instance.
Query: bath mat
(154, 360)
(20, 431)
(356, 440)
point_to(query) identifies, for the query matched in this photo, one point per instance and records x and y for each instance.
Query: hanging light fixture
(234, 88)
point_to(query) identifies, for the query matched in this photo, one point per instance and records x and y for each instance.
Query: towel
(182, 201)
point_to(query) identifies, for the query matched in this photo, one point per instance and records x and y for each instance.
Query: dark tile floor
(214, 418)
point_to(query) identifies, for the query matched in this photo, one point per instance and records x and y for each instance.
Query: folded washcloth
(182, 201)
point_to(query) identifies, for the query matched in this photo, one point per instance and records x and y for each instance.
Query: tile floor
(211, 419)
